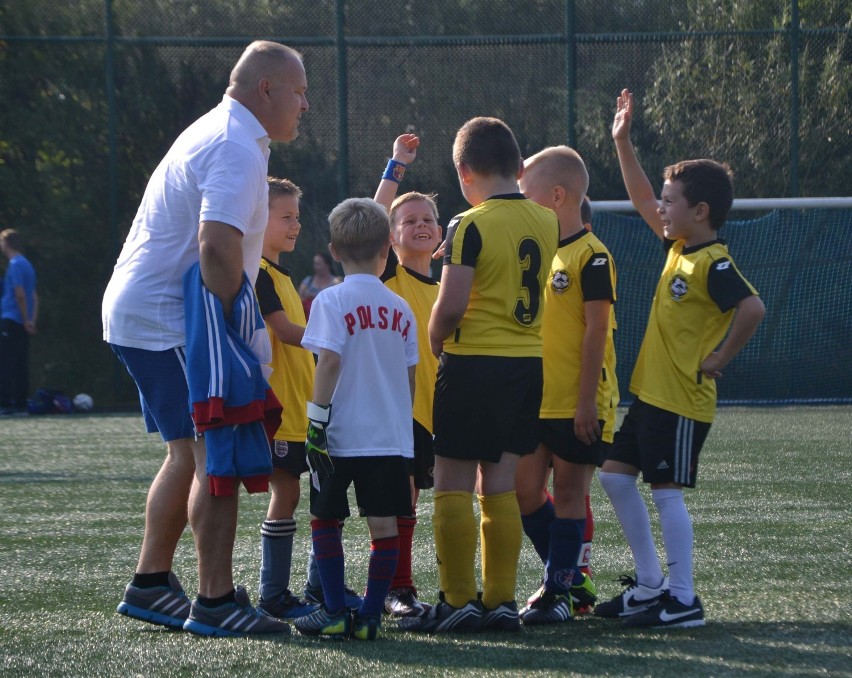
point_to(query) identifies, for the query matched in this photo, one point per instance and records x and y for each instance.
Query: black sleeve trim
(595, 278)
(725, 285)
(471, 247)
(267, 298)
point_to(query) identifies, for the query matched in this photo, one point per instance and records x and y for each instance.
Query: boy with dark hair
(365, 337)
(415, 235)
(580, 391)
(486, 330)
(700, 297)
(292, 379)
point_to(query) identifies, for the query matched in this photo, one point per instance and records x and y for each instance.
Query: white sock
(632, 513)
(677, 536)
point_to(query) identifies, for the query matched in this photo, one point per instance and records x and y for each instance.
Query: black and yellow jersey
(420, 292)
(582, 270)
(292, 378)
(509, 241)
(691, 313)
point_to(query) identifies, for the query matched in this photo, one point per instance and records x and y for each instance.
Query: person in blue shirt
(18, 314)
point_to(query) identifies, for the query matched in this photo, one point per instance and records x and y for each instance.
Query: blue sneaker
(235, 619)
(164, 605)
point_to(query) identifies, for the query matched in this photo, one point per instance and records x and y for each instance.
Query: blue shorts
(160, 377)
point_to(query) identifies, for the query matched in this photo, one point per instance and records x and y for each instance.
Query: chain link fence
(96, 91)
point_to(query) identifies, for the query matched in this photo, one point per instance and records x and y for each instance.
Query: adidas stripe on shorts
(663, 445)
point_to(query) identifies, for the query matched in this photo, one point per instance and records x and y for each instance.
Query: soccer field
(773, 529)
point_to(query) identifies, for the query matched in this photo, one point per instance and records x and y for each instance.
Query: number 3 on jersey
(529, 294)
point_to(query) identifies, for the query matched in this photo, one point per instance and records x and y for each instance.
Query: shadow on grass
(601, 646)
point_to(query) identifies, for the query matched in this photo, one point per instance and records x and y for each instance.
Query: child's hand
(405, 148)
(623, 116)
(712, 366)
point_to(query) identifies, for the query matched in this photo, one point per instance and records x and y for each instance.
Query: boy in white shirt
(365, 337)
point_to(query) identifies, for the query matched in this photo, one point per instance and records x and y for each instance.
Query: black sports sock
(150, 579)
(216, 602)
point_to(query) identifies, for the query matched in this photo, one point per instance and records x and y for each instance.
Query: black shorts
(557, 435)
(422, 467)
(663, 445)
(381, 488)
(290, 456)
(486, 405)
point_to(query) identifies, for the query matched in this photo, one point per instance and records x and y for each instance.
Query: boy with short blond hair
(365, 337)
(704, 312)
(415, 235)
(292, 380)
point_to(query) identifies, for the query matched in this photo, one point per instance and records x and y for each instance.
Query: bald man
(206, 202)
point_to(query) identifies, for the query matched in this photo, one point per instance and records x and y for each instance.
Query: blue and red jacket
(229, 397)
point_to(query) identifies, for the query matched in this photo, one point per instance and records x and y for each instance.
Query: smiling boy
(701, 297)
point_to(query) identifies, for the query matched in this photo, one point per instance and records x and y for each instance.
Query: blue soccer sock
(384, 554)
(537, 528)
(276, 556)
(328, 547)
(566, 540)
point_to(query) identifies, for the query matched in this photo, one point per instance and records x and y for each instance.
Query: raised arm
(638, 187)
(404, 151)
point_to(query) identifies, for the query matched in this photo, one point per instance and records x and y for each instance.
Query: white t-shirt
(215, 171)
(375, 333)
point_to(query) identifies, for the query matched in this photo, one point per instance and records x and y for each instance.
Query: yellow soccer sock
(454, 526)
(501, 547)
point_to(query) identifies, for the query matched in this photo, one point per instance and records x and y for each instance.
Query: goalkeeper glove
(316, 444)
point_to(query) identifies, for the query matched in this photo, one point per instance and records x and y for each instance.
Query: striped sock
(383, 563)
(276, 556)
(328, 550)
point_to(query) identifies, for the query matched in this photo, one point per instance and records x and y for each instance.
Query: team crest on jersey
(678, 287)
(560, 282)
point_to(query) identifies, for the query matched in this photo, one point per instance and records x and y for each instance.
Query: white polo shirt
(215, 171)
(375, 334)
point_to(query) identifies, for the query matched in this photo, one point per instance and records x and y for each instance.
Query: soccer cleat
(634, 599)
(669, 612)
(285, 606)
(583, 596)
(547, 607)
(366, 627)
(402, 602)
(235, 619)
(164, 605)
(321, 622)
(315, 596)
(504, 617)
(444, 617)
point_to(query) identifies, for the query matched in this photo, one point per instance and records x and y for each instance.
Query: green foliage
(725, 95)
(728, 97)
(771, 524)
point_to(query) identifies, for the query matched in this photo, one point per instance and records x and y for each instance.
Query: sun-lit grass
(772, 521)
